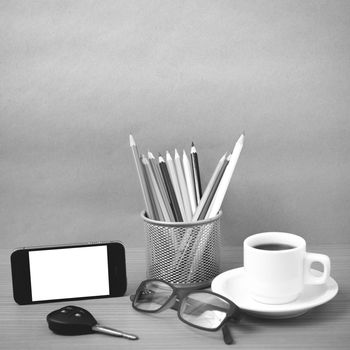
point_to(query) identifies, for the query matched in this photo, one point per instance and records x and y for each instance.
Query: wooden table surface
(324, 327)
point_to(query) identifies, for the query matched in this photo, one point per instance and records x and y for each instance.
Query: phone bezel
(21, 284)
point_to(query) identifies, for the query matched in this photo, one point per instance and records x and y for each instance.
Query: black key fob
(71, 320)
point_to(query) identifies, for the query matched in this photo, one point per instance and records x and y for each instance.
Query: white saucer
(232, 285)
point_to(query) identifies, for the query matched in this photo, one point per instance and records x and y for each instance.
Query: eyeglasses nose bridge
(170, 302)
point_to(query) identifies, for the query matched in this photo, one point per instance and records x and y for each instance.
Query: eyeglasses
(201, 309)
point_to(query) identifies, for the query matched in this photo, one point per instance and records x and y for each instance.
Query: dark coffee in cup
(273, 246)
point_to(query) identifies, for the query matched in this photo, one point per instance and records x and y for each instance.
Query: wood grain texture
(325, 327)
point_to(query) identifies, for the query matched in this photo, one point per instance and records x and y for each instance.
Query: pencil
(209, 188)
(149, 191)
(159, 179)
(140, 173)
(152, 190)
(157, 192)
(226, 178)
(189, 181)
(170, 189)
(203, 205)
(196, 173)
(183, 186)
(214, 189)
(174, 180)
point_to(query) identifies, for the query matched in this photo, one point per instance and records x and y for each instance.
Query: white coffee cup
(277, 266)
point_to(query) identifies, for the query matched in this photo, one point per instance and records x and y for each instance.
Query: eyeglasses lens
(204, 310)
(152, 296)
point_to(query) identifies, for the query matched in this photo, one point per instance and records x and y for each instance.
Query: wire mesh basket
(185, 254)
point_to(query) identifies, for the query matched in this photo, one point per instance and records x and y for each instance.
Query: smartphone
(68, 272)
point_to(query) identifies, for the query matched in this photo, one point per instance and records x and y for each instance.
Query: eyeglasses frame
(181, 294)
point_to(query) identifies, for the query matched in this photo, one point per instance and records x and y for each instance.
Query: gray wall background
(78, 76)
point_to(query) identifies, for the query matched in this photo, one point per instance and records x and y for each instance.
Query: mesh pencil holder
(184, 254)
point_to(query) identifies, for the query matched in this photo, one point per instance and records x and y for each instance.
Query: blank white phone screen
(69, 273)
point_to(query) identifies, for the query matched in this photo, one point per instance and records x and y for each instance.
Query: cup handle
(309, 278)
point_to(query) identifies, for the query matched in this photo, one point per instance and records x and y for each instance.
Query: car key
(73, 320)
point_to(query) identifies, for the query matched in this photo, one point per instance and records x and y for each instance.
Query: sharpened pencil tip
(239, 142)
(168, 155)
(144, 159)
(223, 157)
(132, 141)
(176, 153)
(241, 138)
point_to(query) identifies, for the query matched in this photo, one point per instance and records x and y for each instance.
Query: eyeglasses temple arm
(227, 335)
